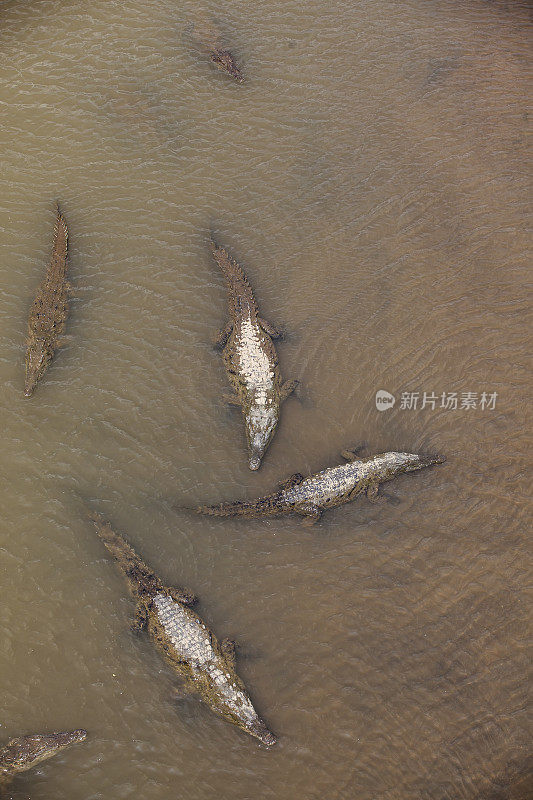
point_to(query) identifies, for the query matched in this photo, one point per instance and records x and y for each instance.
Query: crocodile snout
(268, 738)
(261, 732)
(255, 462)
(436, 458)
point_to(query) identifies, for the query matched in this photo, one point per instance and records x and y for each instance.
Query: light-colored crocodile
(331, 487)
(251, 360)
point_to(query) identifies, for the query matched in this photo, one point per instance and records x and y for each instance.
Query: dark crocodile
(192, 650)
(251, 360)
(331, 487)
(208, 37)
(49, 311)
(26, 752)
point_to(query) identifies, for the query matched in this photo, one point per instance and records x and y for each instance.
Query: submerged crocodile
(331, 487)
(251, 360)
(26, 752)
(206, 665)
(208, 37)
(49, 311)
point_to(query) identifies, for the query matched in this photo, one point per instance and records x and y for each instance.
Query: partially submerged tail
(239, 290)
(263, 507)
(204, 31)
(129, 562)
(58, 263)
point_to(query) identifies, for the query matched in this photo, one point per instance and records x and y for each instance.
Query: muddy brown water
(371, 176)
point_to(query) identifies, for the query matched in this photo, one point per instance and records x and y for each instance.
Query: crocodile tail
(128, 560)
(264, 507)
(239, 290)
(60, 246)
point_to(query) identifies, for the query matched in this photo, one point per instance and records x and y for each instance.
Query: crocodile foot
(354, 452)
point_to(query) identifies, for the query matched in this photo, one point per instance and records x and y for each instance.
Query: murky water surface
(371, 176)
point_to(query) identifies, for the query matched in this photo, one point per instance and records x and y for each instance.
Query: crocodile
(25, 752)
(207, 36)
(207, 666)
(251, 360)
(331, 487)
(49, 311)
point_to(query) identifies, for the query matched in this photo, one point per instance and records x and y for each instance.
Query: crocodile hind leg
(223, 336)
(231, 399)
(310, 512)
(228, 650)
(272, 331)
(374, 495)
(391, 498)
(372, 491)
(140, 619)
(62, 340)
(287, 389)
(179, 694)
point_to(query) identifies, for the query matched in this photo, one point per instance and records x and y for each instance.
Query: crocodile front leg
(223, 336)
(228, 651)
(293, 480)
(287, 389)
(63, 340)
(140, 619)
(272, 331)
(310, 511)
(181, 596)
(231, 399)
(374, 495)
(372, 491)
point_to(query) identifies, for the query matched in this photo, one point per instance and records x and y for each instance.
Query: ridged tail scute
(265, 506)
(128, 560)
(239, 290)
(60, 245)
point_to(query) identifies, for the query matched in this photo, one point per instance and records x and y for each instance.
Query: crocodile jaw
(261, 421)
(414, 462)
(25, 752)
(36, 363)
(261, 732)
(225, 61)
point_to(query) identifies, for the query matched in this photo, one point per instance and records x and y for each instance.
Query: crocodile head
(37, 359)
(391, 464)
(224, 60)
(261, 421)
(258, 729)
(27, 751)
(246, 718)
(409, 462)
